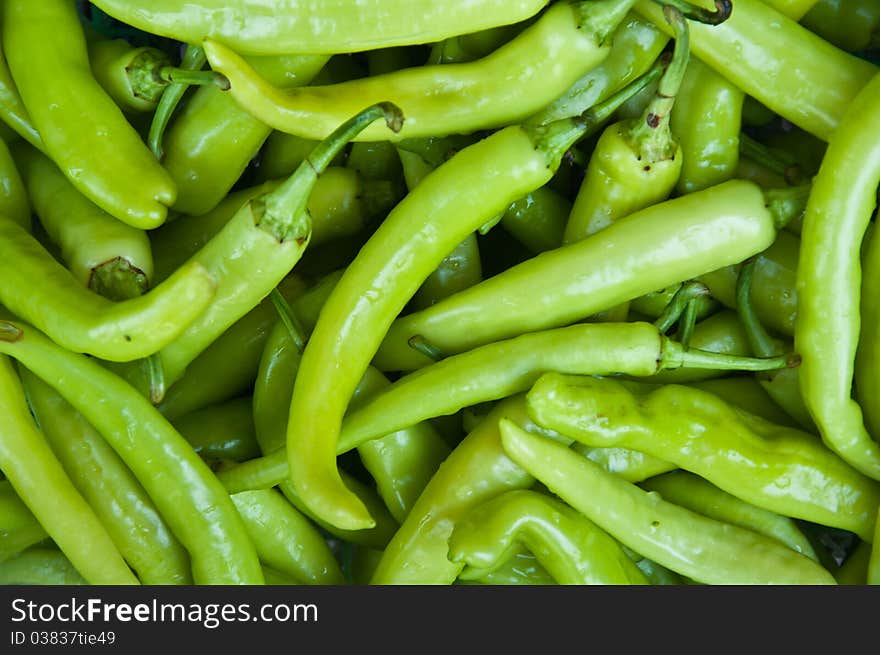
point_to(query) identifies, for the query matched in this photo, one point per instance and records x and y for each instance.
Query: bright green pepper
(695, 493)
(853, 25)
(40, 566)
(19, 529)
(507, 86)
(40, 481)
(82, 129)
(537, 220)
(14, 201)
(224, 431)
(117, 498)
(572, 549)
(329, 26)
(697, 547)
(780, 469)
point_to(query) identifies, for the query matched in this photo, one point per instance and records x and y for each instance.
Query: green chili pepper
(791, 70)
(521, 568)
(866, 376)
(212, 140)
(636, 162)
(40, 566)
(251, 27)
(573, 549)
(503, 368)
(665, 243)
(828, 280)
(697, 494)
(774, 467)
(143, 537)
(260, 245)
(383, 277)
(82, 129)
(187, 494)
(40, 481)
(507, 86)
(700, 548)
(136, 77)
(476, 471)
(109, 257)
(706, 121)
(85, 322)
(746, 392)
(284, 538)
(14, 202)
(853, 25)
(19, 529)
(12, 110)
(224, 431)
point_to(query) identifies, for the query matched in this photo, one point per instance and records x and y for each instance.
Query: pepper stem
(688, 323)
(418, 343)
(282, 211)
(689, 291)
(723, 9)
(787, 204)
(194, 59)
(760, 341)
(674, 355)
(556, 137)
(650, 136)
(288, 317)
(176, 75)
(773, 160)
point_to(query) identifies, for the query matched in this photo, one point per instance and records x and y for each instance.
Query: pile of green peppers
(493, 292)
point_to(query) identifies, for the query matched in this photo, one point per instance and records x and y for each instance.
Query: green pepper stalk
(194, 59)
(545, 59)
(782, 386)
(700, 548)
(569, 546)
(137, 77)
(419, 232)
(184, 489)
(636, 163)
(781, 469)
(666, 243)
(791, 70)
(829, 280)
(137, 528)
(260, 245)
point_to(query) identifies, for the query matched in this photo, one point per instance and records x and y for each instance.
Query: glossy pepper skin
(40, 566)
(211, 140)
(569, 546)
(697, 494)
(317, 26)
(185, 491)
(853, 25)
(780, 469)
(829, 280)
(661, 245)
(14, 202)
(40, 481)
(118, 499)
(792, 71)
(82, 129)
(224, 431)
(12, 110)
(505, 87)
(702, 549)
(83, 321)
(706, 120)
(19, 529)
